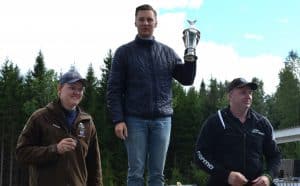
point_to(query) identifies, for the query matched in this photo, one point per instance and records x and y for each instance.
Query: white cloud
(177, 3)
(224, 63)
(76, 32)
(253, 36)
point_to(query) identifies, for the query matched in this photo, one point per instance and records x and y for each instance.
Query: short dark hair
(145, 7)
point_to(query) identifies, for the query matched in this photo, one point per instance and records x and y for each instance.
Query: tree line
(20, 95)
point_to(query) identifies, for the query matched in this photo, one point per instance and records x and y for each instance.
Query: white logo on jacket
(204, 161)
(256, 131)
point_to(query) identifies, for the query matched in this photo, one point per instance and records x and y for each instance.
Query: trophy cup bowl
(191, 37)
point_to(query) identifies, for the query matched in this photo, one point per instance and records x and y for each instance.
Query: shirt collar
(229, 113)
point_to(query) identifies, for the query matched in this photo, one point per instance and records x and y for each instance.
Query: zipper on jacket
(69, 133)
(244, 152)
(153, 83)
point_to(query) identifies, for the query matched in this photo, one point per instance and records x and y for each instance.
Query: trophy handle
(191, 23)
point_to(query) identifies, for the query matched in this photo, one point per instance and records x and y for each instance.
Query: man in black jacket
(139, 98)
(234, 142)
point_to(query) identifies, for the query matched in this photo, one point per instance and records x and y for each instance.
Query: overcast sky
(248, 38)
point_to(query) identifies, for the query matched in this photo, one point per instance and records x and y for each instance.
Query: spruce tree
(10, 118)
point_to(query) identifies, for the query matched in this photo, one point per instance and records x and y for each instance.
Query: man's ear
(229, 94)
(59, 87)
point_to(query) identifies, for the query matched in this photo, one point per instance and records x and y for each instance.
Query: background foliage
(20, 95)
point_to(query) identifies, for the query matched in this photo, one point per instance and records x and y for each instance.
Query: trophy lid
(192, 27)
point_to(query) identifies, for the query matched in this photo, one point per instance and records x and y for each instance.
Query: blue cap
(71, 76)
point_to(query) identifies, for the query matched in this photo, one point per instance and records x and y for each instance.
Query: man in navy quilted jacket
(139, 98)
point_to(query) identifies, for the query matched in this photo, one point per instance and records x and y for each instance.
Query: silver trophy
(191, 37)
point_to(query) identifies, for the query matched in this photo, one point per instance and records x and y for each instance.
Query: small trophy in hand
(191, 37)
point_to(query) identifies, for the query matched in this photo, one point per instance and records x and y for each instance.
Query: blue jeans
(147, 141)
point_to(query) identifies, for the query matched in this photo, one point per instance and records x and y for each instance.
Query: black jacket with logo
(233, 146)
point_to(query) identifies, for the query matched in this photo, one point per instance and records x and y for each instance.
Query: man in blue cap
(59, 142)
(234, 142)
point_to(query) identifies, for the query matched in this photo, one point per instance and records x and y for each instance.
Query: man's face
(145, 21)
(71, 94)
(240, 98)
